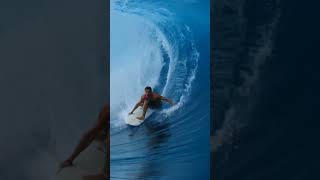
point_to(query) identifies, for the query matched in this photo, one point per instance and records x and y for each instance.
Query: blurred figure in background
(100, 132)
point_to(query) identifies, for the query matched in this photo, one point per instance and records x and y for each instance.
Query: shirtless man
(100, 131)
(150, 100)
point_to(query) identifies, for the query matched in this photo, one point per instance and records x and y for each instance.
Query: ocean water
(165, 45)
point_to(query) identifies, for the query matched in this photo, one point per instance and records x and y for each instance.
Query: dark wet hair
(148, 87)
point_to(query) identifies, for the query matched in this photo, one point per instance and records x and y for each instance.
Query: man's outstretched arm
(84, 142)
(167, 100)
(137, 105)
(88, 137)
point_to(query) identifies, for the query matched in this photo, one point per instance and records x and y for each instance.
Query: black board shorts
(154, 105)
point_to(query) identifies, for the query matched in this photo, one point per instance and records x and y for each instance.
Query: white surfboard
(89, 163)
(132, 118)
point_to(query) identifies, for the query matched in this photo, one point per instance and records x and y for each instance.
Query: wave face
(165, 46)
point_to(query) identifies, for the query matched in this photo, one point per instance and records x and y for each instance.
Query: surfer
(100, 131)
(150, 100)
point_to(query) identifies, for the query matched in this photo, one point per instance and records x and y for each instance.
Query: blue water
(164, 45)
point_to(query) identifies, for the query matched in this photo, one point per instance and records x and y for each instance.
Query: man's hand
(64, 164)
(140, 118)
(168, 100)
(130, 113)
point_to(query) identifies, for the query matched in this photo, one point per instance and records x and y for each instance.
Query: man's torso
(154, 100)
